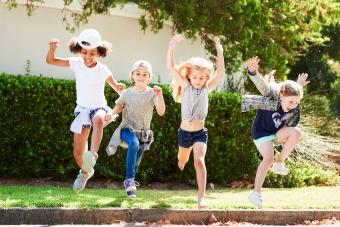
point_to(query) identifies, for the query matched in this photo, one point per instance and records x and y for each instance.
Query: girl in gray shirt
(137, 104)
(193, 81)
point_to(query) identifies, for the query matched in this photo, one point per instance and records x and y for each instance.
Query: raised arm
(118, 87)
(174, 42)
(220, 68)
(160, 105)
(51, 59)
(302, 79)
(255, 76)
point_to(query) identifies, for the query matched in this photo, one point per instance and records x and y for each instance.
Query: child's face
(90, 57)
(141, 76)
(198, 78)
(289, 102)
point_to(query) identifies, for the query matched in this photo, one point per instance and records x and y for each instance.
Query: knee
(199, 163)
(183, 156)
(133, 144)
(297, 133)
(98, 121)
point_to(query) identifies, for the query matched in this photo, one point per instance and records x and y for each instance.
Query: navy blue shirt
(268, 122)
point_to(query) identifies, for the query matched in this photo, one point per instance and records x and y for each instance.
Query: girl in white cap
(137, 104)
(192, 82)
(92, 107)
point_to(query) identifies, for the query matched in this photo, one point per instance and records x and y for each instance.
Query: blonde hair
(291, 88)
(185, 69)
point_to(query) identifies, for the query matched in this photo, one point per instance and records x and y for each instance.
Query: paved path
(64, 216)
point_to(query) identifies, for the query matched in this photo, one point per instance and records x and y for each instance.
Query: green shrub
(36, 113)
(302, 174)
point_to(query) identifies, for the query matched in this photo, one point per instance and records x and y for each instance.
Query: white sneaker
(256, 199)
(80, 183)
(89, 160)
(279, 168)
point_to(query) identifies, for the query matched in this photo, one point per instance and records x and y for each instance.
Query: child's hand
(302, 79)
(53, 44)
(253, 64)
(157, 90)
(108, 117)
(174, 42)
(218, 45)
(120, 87)
(111, 117)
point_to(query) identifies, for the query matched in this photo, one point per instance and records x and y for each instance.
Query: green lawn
(292, 198)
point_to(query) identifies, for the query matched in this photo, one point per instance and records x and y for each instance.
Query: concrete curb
(58, 216)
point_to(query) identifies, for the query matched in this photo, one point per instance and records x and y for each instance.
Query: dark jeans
(134, 153)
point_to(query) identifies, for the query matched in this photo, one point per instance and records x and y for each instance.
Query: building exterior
(24, 41)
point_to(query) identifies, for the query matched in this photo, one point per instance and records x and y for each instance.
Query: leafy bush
(36, 113)
(302, 174)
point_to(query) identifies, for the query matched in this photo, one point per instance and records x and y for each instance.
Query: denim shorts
(186, 139)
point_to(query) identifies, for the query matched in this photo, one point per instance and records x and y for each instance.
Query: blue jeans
(134, 153)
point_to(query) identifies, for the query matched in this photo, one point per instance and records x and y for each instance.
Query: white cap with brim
(142, 63)
(89, 39)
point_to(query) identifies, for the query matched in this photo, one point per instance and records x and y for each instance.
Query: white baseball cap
(89, 39)
(142, 63)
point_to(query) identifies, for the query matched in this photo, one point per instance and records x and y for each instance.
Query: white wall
(25, 38)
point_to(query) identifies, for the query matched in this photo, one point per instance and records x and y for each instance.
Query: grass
(49, 196)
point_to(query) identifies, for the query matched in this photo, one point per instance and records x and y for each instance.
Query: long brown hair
(185, 69)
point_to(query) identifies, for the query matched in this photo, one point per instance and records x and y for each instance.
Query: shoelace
(129, 183)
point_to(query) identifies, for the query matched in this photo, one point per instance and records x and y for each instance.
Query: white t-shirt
(90, 82)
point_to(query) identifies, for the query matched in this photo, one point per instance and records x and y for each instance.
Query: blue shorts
(186, 139)
(258, 142)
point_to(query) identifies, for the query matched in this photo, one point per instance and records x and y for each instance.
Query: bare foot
(202, 204)
(181, 166)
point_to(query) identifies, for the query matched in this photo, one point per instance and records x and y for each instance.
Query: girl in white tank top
(192, 82)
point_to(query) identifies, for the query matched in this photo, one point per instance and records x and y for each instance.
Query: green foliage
(36, 114)
(315, 62)
(301, 175)
(336, 98)
(336, 105)
(318, 105)
(276, 31)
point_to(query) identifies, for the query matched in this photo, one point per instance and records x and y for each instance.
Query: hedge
(36, 113)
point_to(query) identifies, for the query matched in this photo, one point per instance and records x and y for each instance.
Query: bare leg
(183, 156)
(79, 145)
(267, 152)
(98, 122)
(200, 150)
(290, 136)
